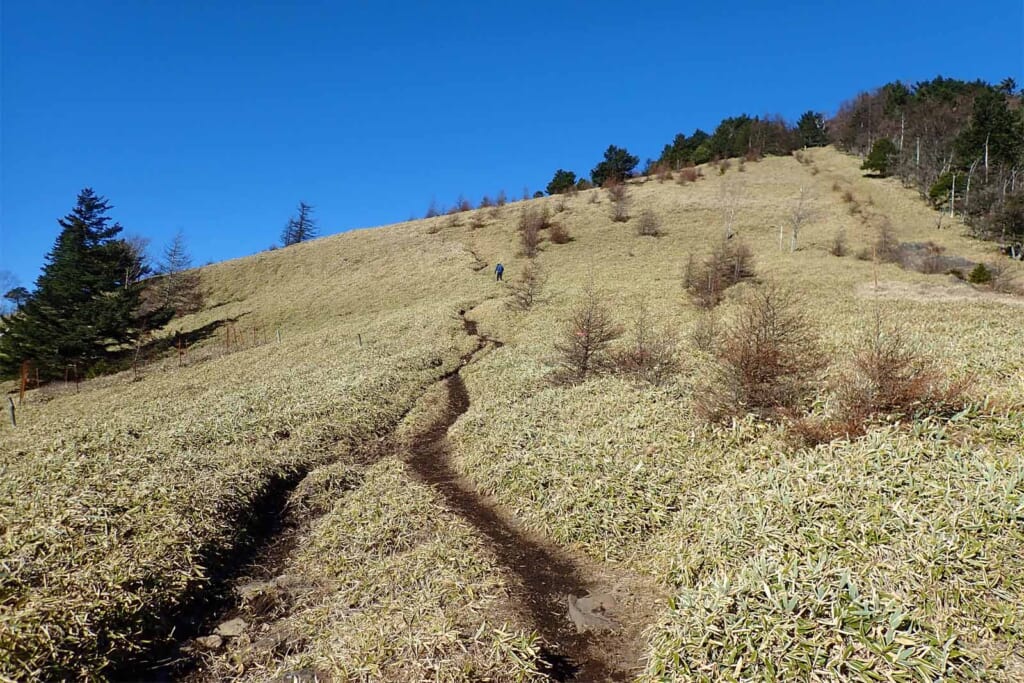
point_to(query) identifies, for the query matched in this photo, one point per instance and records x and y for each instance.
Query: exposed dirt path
(545, 576)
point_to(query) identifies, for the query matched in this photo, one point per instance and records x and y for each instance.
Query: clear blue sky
(216, 117)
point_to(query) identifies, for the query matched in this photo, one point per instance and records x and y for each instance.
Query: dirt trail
(545, 576)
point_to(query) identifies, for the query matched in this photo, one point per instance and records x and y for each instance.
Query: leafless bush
(723, 166)
(651, 354)
(476, 221)
(649, 225)
(887, 246)
(558, 234)
(502, 199)
(526, 290)
(741, 166)
(802, 158)
(705, 333)
(462, 204)
(932, 261)
(432, 210)
(486, 202)
(801, 214)
(891, 376)
(848, 197)
(529, 240)
(585, 340)
(769, 362)
(663, 172)
(838, 247)
(619, 197)
(729, 263)
(595, 198)
(1003, 280)
(559, 204)
(688, 175)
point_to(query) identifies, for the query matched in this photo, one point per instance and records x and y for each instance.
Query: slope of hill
(445, 494)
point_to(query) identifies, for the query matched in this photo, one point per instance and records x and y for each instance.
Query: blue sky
(217, 117)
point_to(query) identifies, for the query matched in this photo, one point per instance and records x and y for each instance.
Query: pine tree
(84, 304)
(811, 129)
(562, 182)
(179, 288)
(301, 227)
(618, 165)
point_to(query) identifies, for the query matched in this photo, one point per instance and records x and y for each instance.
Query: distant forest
(959, 143)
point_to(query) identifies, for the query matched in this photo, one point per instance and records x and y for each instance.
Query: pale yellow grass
(839, 562)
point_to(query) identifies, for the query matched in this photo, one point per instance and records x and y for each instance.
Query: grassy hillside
(895, 555)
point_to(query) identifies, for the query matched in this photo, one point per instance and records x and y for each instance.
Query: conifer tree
(84, 305)
(301, 227)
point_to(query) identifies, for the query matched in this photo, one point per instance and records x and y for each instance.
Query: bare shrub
(650, 354)
(892, 376)
(476, 221)
(558, 234)
(486, 202)
(723, 166)
(801, 214)
(432, 210)
(932, 261)
(838, 246)
(559, 204)
(501, 199)
(526, 290)
(887, 246)
(529, 240)
(663, 172)
(462, 204)
(836, 187)
(705, 333)
(742, 165)
(649, 225)
(769, 362)
(753, 156)
(729, 263)
(537, 218)
(848, 197)
(583, 348)
(619, 197)
(594, 198)
(1003, 280)
(687, 175)
(815, 170)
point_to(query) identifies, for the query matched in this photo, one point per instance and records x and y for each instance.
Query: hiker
(499, 270)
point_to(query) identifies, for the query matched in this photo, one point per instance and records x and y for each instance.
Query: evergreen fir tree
(84, 305)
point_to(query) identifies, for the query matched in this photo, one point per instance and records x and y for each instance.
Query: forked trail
(607, 647)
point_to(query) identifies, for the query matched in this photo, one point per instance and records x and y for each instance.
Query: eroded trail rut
(542, 576)
(545, 576)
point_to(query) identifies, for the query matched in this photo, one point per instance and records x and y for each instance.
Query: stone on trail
(588, 612)
(231, 628)
(209, 642)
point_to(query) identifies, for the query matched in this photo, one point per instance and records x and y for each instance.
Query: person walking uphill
(499, 270)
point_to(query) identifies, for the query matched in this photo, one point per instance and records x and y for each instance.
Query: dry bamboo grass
(894, 555)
